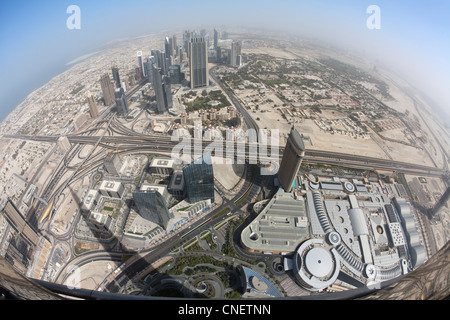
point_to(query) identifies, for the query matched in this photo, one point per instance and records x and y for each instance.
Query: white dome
(318, 262)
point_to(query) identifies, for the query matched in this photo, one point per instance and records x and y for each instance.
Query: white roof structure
(113, 186)
(161, 163)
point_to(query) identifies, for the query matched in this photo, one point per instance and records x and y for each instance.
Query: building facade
(199, 180)
(292, 159)
(107, 89)
(121, 102)
(198, 61)
(152, 205)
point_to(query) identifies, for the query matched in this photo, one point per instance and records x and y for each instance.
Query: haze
(36, 44)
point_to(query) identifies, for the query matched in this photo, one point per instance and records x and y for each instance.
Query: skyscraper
(163, 90)
(198, 60)
(151, 204)
(216, 39)
(112, 164)
(93, 110)
(116, 77)
(107, 89)
(292, 159)
(141, 63)
(121, 102)
(199, 180)
(236, 47)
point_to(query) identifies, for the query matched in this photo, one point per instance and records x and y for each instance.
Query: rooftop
(280, 227)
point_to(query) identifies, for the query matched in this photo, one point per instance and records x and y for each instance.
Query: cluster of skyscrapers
(163, 69)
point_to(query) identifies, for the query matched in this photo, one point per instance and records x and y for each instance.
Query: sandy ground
(90, 275)
(227, 174)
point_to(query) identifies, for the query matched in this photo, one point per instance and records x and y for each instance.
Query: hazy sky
(36, 44)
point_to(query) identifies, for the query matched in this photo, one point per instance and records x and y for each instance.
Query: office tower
(121, 102)
(64, 144)
(167, 89)
(152, 205)
(163, 90)
(141, 63)
(156, 56)
(216, 39)
(186, 39)
(292, 159)
(112, 189)
(199, 180)
(174, 45)
(169, 46)
(149, 64)
(93, 110)
(116, 77)
(176, 76)
(107, 89)
(112, 164)
(236, 47)
(198, 60)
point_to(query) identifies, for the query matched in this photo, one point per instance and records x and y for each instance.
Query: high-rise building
(141, 63)
(93, 110)
(216, 39)
(121, 102)
(163, 90)
(168, 46)
(112, 164)
(152, 205)
(174, 45)
(116, 77)
(236, 48)
(198, 61)
(199, 180)
(293, 155)
(176, 76)
(107, 89)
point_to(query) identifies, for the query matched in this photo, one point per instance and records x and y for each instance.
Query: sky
(36, 43)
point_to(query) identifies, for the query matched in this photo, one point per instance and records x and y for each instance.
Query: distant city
(150, 169)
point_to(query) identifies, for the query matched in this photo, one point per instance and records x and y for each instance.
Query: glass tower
(152, 206)
(199, 180)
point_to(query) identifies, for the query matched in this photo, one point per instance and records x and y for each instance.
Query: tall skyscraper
(198, 60)
(199, 180)
(293, 155)
(112, 164)
(168, 46)
(116, 77)
(93, 110)
(121, 102)
(176, 76)
(163, 90)
(151, 204)
(107, 89)
(174, 45)
(141, 63)
(216, 39)
(236, 47)
(149, 64)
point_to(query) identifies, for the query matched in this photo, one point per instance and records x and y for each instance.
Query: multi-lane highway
(164, 144)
